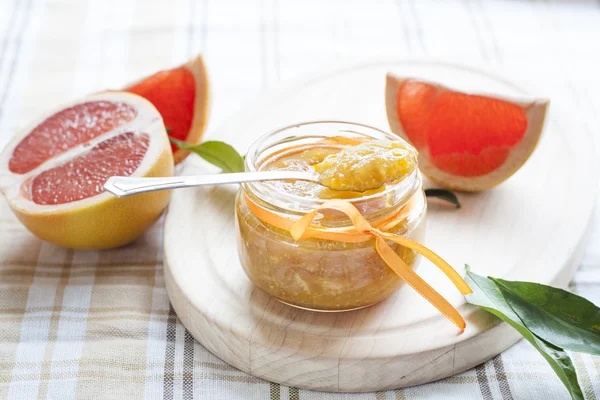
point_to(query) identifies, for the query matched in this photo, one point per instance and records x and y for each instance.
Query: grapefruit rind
(101, 221)
(201, 105)
(535, 110)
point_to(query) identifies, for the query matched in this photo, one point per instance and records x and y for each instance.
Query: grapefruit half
(52, 172)
(181, 95)
(466, 142)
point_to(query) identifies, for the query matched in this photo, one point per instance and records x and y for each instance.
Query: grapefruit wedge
(465, 141)
(52, 172)
(181, 95)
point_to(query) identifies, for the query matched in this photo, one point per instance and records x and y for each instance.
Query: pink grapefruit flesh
(84, 176)
(67, 129)
(173, 93)
(465, 141)
(181, 95)
(466, 135)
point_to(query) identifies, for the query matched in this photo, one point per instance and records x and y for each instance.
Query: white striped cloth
(90, 325)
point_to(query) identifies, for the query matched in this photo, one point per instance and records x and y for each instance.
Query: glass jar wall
(321, 274)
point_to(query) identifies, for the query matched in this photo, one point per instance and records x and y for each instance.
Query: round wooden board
(532, 227)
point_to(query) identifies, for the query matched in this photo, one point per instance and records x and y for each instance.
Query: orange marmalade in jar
(324, 272)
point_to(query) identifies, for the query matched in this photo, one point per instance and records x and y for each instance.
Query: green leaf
(559, 317)
(168, 129)
(488, 296)
(217, 153)
(562, 365)
(443, 194)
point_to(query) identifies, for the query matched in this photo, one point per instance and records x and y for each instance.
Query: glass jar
(319, 274)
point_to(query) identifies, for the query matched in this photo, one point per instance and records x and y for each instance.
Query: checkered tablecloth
(91, 325)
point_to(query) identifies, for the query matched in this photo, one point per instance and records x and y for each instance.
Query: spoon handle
(122, 186)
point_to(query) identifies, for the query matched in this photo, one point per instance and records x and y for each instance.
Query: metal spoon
(122, 186)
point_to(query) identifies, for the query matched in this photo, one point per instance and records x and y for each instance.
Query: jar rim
(401, 190)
